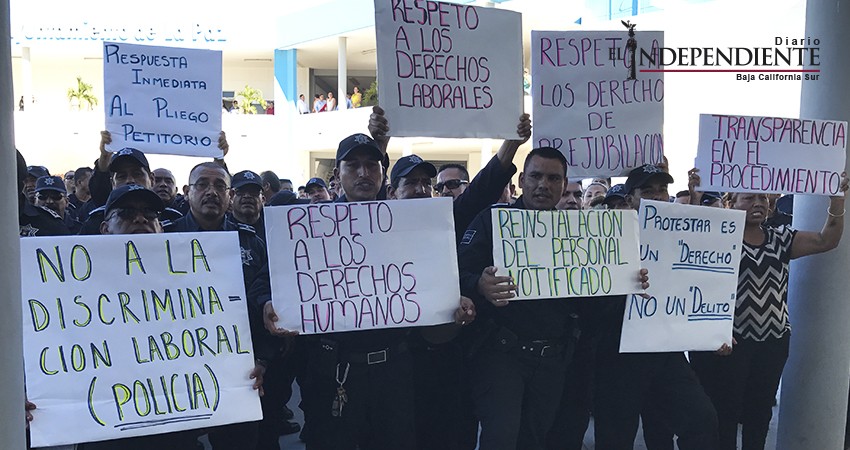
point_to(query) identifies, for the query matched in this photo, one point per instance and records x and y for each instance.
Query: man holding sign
(519, 370)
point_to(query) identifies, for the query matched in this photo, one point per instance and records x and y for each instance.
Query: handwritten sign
(585, 105)
(360, 266)
(771, 154)
(130, 335)
(693, 254)
(449, 70)
(555, 254)
(162, 99)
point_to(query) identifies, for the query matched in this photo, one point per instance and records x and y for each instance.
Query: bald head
(164, 184)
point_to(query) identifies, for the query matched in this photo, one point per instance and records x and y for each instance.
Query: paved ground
(291, 442)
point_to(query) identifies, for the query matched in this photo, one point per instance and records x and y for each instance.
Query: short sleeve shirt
(761, 310)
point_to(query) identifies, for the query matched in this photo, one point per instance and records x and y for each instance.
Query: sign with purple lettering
(361, 266)
(133, 335)
(586, 104)
(692, 254)
(449, 70)
(162, 99)
(771, 154)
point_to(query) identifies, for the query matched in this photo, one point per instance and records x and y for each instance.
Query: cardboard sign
(361, 266)
(585, 105)
(556, 254)
(771, 154)
(693, 254)
(449, 70)
(162, 99)
(131, 335)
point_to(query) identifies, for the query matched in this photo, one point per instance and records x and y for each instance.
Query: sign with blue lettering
(135, 335)
(558, 254)
(692, 254)
(771, 154)
(162, 99)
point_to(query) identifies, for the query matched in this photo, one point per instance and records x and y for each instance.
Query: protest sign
(130, 335)
(162, 99)
(692, 254)
(360, 266)
(771, 154)
(585, 105)
(449, 70)
(554, 254)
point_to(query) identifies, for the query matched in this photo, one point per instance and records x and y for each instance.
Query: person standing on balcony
(356, 97)
(302, 105)
(331, 102)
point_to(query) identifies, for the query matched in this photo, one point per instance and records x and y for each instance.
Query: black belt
(376, 357)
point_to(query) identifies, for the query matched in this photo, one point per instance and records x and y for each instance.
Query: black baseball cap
(283, 198)
(316, 181)
(357, 141)
(616, 191)
(50, 183)
(38, 171)
(709, 197)
(640, 176)
(406, 164)
(120, 195)
(131, 154)
(244, 178)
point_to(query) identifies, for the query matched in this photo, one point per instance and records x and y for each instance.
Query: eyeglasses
(131, 213)
(203, 185)
(451, 184)
(46, 197)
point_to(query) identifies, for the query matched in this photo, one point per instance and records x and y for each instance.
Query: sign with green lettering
(132, 335)
(556, 254)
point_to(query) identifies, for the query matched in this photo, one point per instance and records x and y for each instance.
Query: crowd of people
(524, 375)
(329, 103)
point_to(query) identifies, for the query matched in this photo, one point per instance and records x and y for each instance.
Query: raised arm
(811, 242)
(509, 147)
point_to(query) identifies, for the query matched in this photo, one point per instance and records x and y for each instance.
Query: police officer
(126, 166)
(519, 369)
(443, 412)
(35, 220)
(317, 190)
(372, 366)
(165, 186)
(246, 194)
(33, 174)
(81, 188)
(209, 197)
(50, 193)
(662, 384)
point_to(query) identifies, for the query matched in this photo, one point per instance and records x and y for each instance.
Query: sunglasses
(451, 184)
(130, 213)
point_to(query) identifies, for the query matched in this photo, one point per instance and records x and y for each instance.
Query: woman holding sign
(743, 385)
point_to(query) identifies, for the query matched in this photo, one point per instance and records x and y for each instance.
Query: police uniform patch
(28, 230)
(467, 237)
(247, 256)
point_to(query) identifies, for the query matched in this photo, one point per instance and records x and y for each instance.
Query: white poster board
(360, 266)
(771, 154)
(585, 105)
(556, 254)
(162, 99)
(449, 70)
(693, 254)
(131, 335)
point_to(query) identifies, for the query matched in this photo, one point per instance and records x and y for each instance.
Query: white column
(486, 153)
(26, 78)
(342, 73)
(813, 407)
(406, 147)
(11, 347)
